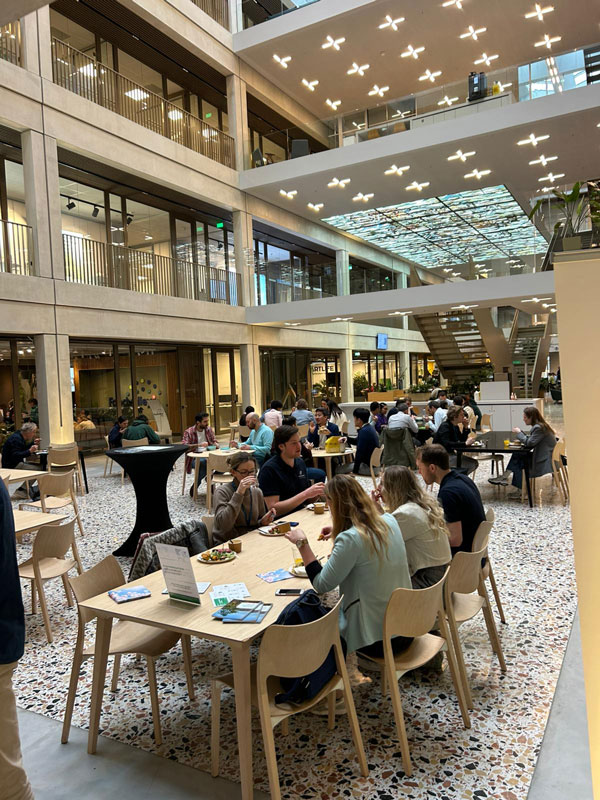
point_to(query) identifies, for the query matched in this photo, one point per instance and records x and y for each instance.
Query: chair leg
(77, 516)
(330, 711)
(270, 754)
(460, 661)
(384, 689)
(33, 597)
(184, 477)
(285, 725)
(154, 699)
(455, 672)
(106, 460)
(215, 725)
(114, 685)
(187, 663)
(399, 717)
(44, 607)
(496, 593)
(73, 682)
(353, 720)
(67, 591)
(491, 626)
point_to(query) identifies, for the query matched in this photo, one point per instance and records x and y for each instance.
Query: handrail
(99, 264)
(16, 248)
(91, 79)
(217, 9)
(10, 42)
(514, 330)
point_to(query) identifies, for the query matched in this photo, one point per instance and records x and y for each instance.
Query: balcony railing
(282, 283)
(10, 43)
(88, 78)
(16, 248)
(217, 9)
(254, 13)
(100, 264)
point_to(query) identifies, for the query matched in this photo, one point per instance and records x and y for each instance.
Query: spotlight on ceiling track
(71, 204)
(95, 212)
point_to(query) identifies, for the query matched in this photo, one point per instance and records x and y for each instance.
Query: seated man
(260, 439)
(402, 419)
(449, 434)
(199, 433)
(139, 429)
(116, 432)
(274, 417)
(16, 448)
(366, 441)
(458, 495)
(301, 413)
(378, 418)
(317, 435)
(283, 478)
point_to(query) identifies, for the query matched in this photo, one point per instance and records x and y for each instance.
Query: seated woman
(542, 438)
(239, 506)
(421, 520)
(368, 561)
(336, 415)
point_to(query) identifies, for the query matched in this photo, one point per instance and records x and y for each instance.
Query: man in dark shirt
(16, 449)
(283, 479)
(366, 441)
(322, 421)
(115, 435)
(13, 778)
(458, 496)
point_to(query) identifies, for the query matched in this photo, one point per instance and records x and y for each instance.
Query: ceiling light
(399, 313)
(447, 101)
(283, 62)
(479, 174)
(391, 23)
(548, 41)
(456, 274)
(358, 70)
(129, 219)
(137, 94)
(461, 155)
(543, 160)
(394, 170)
(403, 114)
(504, 86)
(333, 103)
(310, 85)
(536, 299)
(412, 51)
(485, 59)
(539, 12)
(341, 319)
(331, 42)
(364, 197)
(95, 212)
(377, 90)
(290, 195)
(358, 125)
(472, 33)
(550, 177)
(336, 182)
(415, 185)
(463, 307)
(533, 139)
(315, 206)
(455, 3)
(71, 204)
(292, 324)
(448, 269)
(430, 76)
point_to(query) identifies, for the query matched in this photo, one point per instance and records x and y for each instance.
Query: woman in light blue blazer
(368, 562)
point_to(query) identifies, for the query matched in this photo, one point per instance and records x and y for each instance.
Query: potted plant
(575, 208)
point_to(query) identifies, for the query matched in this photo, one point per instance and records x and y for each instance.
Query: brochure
(129, 593)
(178, 573)
(243, 611)
(221, 595)
(275, 575)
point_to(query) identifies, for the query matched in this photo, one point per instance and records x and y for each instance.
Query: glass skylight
(481, 224)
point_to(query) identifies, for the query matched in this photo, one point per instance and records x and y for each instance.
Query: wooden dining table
(259, 554)
(29, 521)
(21, 475)
(202, 455)
(321, 453)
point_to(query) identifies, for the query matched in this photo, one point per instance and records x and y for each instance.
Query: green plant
(360, 384)
(574, 207)
(422, 386)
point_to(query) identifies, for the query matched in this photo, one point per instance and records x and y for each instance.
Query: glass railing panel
(217, 9)
(254, 13)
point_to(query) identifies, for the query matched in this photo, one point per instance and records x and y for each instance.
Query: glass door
(191, 385)
(224, 391)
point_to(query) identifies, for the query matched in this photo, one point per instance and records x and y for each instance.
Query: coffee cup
(235, 545)
(212, 447)
(319, 507)
(233, 443)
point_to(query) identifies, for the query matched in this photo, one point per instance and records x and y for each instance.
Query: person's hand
(471, 439)
(36, 441)
(316, 490)
(312, 426)
(294, 535)
(376, 495)
(33, 448)
(325, 533)
(516, 430)
(245, 447)
(246, 483)
(308, 445)
(268, 517)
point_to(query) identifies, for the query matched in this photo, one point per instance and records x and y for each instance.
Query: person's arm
(535, 436)
(226, 514)
(210, 436)
(341, 561)
(452, 513)
(313, 436)
(456, 536)
(261, 444)
(443, 437)
(361, 450)
(283, 506)
(334, 430)
(412, 425)
(152, 435)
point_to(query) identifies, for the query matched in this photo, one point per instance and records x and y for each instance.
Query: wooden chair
(344, 427)
(303, 430)
(560, 472)
(56, 491)
(480, 541)
(133, 443)
(48, 560)
(244, 430)
(375, 463)
(107, 461)
(486, 423)
(461, 605)
(290, 651)
(216, 472)
(126, 637)
(5, 481)
(413, 612)
(495, 458)
(209, 521)
(64, 459)
(417, 410)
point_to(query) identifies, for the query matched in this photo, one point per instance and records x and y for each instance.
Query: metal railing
(16, 248)
(254, 13)
(99, 264)
(10, 43)
(282, 283)
(217, 9)
(88, 78)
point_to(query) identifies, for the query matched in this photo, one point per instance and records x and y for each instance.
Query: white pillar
(53, 380)
(251, 376)
(237, 113)
(244, 254)
(346, 377)
(342, 262)
(29, 43)
(42, 202)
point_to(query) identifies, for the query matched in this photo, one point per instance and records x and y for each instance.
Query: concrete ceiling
(11, 10)
(427, 24)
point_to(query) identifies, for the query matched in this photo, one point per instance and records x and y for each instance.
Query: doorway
(224, 390)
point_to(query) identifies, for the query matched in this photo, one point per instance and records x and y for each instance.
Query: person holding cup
(239, 506)
(199, 434)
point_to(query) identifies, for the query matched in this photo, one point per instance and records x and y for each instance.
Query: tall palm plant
(574, 206)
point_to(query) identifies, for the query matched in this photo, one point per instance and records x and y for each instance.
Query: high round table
(148, 466)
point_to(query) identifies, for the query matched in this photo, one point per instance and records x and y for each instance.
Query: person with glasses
(239, 506)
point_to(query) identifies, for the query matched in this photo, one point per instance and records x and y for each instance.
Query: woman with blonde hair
(239, 506)
(368, 562)
(421, 520)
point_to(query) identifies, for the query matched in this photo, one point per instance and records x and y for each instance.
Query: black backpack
(306, 608)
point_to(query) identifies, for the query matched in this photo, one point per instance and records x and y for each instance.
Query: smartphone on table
(289, 592)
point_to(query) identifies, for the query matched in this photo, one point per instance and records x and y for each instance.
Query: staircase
(524, 348)
(454, 341)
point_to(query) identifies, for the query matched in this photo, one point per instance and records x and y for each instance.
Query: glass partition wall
(17, 383)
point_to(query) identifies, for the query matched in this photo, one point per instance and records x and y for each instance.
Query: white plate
(299, 572)
(270, 532)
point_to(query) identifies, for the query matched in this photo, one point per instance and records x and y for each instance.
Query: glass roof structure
(478, 225)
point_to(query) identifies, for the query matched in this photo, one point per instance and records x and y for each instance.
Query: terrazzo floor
(532, 555)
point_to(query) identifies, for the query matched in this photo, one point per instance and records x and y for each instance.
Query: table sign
(178, 573)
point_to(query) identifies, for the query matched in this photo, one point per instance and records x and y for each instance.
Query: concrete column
(29, 43)
(44, 42)
(237, 111)
(342, 262)
(244, 254)
(404, 368)
(251, 376)
(346, 378)
(42, 203)
(236, 22)
(54, 389)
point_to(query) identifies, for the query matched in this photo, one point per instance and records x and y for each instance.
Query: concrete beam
(11, 10)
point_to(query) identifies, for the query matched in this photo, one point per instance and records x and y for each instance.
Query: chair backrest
(244, 430)
(464, 573)
(303, 430)
(486, 420)
(257, 158)
(63, 456)
(376, 457)
(106, 440)
(56, 484)
(344, 427)
(558, 452)
(292, 651)
(209, 521)
(53, 541)
(217, 462)
(417, 410)
(134, 442)
(490, 514)
(412, 612)
(101, 578)
(482, 536)
(5, 481)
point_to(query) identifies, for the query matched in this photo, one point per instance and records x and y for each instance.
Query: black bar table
(493, 442)
(148, 466)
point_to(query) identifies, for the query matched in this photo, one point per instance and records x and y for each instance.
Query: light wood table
(28, 521)
(203, 455)
(21, 475)
(347, 455)
(259, 554)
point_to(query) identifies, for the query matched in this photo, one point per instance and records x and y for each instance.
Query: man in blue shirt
(301, 413)
(366, 441)
(260, 439)
(315, 437)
